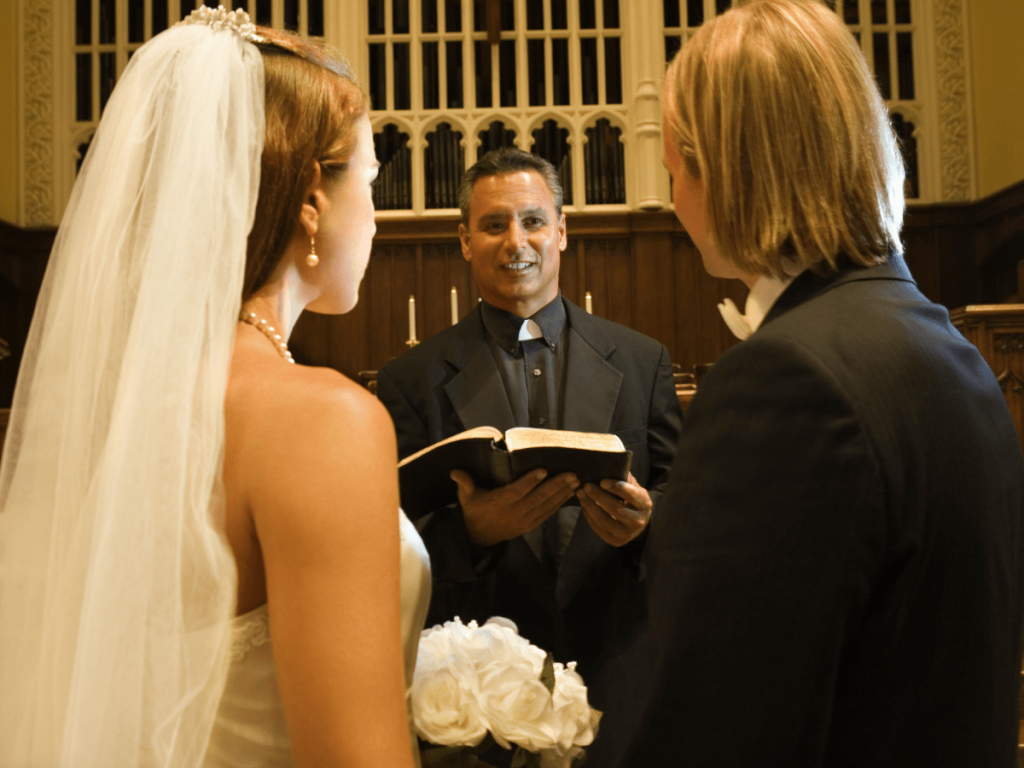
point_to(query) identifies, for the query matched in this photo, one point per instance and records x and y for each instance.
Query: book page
(528, 437)
(476, 433)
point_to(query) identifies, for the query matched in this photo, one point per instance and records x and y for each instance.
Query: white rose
(445, 688)
(577, 721)
(434, 644)
(478, 644)
(442, 640)
(518, 706)
(507, 647)
(444, 694)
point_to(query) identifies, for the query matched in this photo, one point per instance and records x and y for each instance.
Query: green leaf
(547, 675)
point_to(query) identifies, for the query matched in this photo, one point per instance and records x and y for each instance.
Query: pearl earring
(312, 260)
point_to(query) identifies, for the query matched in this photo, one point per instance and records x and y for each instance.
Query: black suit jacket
(836, 566)
(617, 380)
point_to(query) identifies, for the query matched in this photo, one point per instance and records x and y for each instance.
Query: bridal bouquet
(475, 686)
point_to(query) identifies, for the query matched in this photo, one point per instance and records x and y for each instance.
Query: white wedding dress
(250, 731)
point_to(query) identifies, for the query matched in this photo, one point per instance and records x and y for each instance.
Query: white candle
(455, 306)
(412, 318)
(590, 303)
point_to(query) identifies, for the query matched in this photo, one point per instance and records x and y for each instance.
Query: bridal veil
(116, 580)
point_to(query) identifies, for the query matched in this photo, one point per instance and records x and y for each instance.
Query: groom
(565, 562)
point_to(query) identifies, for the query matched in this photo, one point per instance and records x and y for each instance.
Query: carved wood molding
(1008, 317)
(1010, 382)
(37, 129)
(1008, 343)
(951, 75)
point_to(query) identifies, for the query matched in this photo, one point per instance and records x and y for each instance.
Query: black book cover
(494, 460)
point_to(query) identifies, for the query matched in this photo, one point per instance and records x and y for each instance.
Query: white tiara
(236, 21)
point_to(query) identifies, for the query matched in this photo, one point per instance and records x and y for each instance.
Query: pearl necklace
(267, 330)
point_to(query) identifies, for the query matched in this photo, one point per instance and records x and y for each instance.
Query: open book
(493, 460)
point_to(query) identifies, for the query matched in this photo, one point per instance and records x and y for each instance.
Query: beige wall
(996, 27)
(8, 112)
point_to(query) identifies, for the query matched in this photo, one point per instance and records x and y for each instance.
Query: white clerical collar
(530, 330)
(763, 294)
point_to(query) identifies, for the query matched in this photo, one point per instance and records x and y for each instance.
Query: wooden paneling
(967, 254)
(23, 257)
(653, 267)
(998, 219)
(641, 269)
(938, 240)
(997, 330)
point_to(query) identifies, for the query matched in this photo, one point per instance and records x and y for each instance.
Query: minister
(526, 356)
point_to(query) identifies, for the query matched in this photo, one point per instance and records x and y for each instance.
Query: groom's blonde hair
(773, 107)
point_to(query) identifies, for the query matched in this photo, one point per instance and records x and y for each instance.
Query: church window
(431, 77)
(883, 30)
(443, 165)
(80, 153)
(393, 188)
(494, 136)
(892, 36)
(538, 61)
(440, 72)
(551, 141)
(605, 164)
(905, 131)
(103, 45)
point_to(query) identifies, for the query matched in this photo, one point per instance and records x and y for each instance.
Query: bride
(201, 557)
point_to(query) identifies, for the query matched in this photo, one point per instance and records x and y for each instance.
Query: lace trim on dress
(252, 632)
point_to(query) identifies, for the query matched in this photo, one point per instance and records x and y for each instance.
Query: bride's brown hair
(312, 105)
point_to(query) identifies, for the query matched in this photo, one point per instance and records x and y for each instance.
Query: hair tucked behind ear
(312, 105)
(773, 106)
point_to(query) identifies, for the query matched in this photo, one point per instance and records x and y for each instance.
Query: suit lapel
(591, 382)
(477, 393)
(591, 391)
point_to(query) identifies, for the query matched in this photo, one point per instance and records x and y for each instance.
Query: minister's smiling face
(514, 241)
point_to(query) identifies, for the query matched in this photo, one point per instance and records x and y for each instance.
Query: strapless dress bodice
(250, 730)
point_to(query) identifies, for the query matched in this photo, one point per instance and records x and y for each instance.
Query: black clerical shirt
(533, 373)
(532, 369)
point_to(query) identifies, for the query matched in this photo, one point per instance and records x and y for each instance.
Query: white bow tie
(762, 296)
(736, 321)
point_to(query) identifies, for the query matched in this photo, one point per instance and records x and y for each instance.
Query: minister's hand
(617, 510)
(501, 514)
